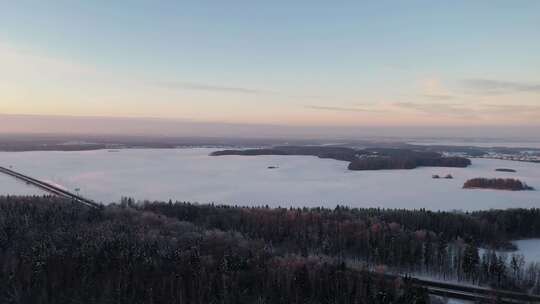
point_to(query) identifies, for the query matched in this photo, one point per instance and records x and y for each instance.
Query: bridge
(455, 291)
(475, 294)
(52, 189)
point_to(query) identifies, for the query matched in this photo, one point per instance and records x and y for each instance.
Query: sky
(283, 63)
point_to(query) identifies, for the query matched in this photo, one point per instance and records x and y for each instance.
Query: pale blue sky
(275, 62)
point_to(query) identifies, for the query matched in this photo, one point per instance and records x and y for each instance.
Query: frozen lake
(528, 248)
(192, 175)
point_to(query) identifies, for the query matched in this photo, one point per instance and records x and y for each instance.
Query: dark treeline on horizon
(53, 251)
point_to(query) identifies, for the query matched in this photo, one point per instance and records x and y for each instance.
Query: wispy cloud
(178, 85)
(210, 88)
(532, 110)
(24, 63)
(476, 111)
(448, 109)
(492, 87)
(341, 109)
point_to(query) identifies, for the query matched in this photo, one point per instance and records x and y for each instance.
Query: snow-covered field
(192, 175)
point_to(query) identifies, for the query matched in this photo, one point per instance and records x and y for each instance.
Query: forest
(54, 251)
(388, 162)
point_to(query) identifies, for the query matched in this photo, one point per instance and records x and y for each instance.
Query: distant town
(523, 156)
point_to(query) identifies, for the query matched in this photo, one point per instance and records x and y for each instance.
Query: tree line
(53, 251)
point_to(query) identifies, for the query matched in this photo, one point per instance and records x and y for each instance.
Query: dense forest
(497, 184)
(53, 251)
(441, 244)
(362, 159)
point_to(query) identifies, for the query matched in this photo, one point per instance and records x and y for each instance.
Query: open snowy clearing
(192, 175)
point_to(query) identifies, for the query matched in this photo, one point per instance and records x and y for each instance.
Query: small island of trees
(497, 184)
(505, 170)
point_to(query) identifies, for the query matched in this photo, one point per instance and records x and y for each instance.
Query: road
(50, 188)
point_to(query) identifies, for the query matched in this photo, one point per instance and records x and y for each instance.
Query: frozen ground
(192, 175)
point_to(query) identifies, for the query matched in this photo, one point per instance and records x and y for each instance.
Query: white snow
(192, 175)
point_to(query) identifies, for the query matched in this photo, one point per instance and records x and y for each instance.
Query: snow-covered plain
(192, 175)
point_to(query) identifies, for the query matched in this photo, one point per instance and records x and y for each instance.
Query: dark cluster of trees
(497, 183)
(53, 251)
(405, 159)
(382, 163)
(489, 228)
(362, 159)
(249, 152)
(389, 162)
(511, 223)
(460, 162)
